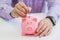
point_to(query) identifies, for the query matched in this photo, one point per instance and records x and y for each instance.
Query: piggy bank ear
(23, 19)
(34, 19)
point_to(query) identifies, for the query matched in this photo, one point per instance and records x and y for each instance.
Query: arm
(5, 11)
(45, 26)
(54, 9)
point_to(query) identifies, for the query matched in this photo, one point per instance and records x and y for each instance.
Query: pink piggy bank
(29, 26)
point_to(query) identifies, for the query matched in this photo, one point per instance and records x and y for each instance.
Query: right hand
(20, 10)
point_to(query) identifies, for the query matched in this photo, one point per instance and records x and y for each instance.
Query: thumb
(29, 9)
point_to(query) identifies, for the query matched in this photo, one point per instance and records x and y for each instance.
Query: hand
(44, 27)
(20, 10)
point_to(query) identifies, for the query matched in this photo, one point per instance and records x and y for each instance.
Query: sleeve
(5, 11)
(54, 9)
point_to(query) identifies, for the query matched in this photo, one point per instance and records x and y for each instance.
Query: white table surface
(11, 30)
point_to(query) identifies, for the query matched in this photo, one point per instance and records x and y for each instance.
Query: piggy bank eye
(29, 22)
(34, 19)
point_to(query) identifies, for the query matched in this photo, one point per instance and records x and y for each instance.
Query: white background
(12, 30)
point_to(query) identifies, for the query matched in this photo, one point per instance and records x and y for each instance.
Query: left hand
(44, 27)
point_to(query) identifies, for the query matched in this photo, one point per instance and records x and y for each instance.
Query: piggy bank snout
(29, 29)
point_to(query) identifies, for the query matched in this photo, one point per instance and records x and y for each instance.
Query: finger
(45, 32)
(40, 25)
(29, 9)
(24, 6)
(42, 29)
(19, 12)
(15, 14)
(20, 8)
(49, 32)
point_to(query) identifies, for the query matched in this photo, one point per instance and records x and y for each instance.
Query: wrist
(52, 20)
(11, 15)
